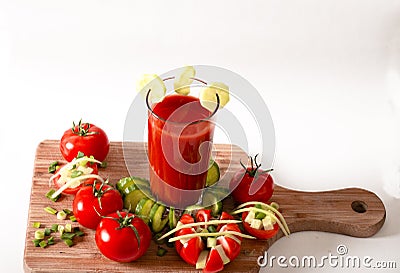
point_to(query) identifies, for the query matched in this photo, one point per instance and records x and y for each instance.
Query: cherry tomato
(230, 246)
(259, 233)
(190, 250)
(86, 138)
(93, 199)
(85, 182)
(214, 262)
(122, 237)
(252, 184)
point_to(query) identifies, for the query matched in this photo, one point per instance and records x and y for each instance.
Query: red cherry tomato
(123, 237)
(86, 138)
(190, 250)
(214, 262)
(230, 246)
(259, 233)
(252, 184)
(85, 182)
(93, 199)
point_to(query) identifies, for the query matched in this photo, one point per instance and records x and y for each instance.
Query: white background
(328, 71)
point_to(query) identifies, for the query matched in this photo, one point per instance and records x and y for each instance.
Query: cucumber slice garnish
(172, 218)
(132, 199)
(208, 98)
(141, 182)
(154, 83)
(153, 211)
(140, 205)
(184, 80)
(213, 174)
(157, 222)
(213, 203)
(129, 189)
(145, 211)
(123, 183)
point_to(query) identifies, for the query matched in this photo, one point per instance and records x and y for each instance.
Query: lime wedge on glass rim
(208, 98)
(184, 80)
(154, 83)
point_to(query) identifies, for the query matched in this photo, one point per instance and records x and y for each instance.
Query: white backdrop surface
(329, 72)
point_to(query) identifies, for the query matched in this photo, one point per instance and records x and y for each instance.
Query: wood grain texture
(329, 211)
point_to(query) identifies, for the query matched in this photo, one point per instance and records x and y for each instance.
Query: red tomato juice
(180, 133)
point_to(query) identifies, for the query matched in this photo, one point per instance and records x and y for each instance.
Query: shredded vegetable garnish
(73, 168)
(272, 207)
(208, 234)
(212, 222)
(77, 179)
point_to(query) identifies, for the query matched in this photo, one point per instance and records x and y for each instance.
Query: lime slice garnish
(208, 98)
(184, 80)
(154, 83)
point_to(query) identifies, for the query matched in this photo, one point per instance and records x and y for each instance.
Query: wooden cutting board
(355, 212)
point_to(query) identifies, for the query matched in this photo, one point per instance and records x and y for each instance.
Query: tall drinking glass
(180, 135)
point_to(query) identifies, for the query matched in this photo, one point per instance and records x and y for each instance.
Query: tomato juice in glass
(180, 133)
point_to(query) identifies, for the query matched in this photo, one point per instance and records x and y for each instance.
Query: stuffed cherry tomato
(62, 178)
(262, 220)
(259, 232)
(69, 178)
(206, 243)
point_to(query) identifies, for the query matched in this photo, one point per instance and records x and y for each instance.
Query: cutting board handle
(352, 211)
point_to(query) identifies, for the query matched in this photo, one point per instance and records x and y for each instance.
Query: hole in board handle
(359, 206)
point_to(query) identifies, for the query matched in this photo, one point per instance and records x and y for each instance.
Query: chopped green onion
(75, 229)
(79, 233)
(43, 244)
(36, 224)
(157, 239)
(80, 155)
(68, 228)
(103, 164)
(50, 241)
(53, 167)
(39, 234)
(72, 218)
(161, 251)
(54, 227)
(61, 215)
(76, 173)
(67, 235)
(50, 210)
(67, 211)
(169, 244)
(212, 229)
(50, 193)
(47, 231)
(68, 242)
(61, 229)
(36, 242)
